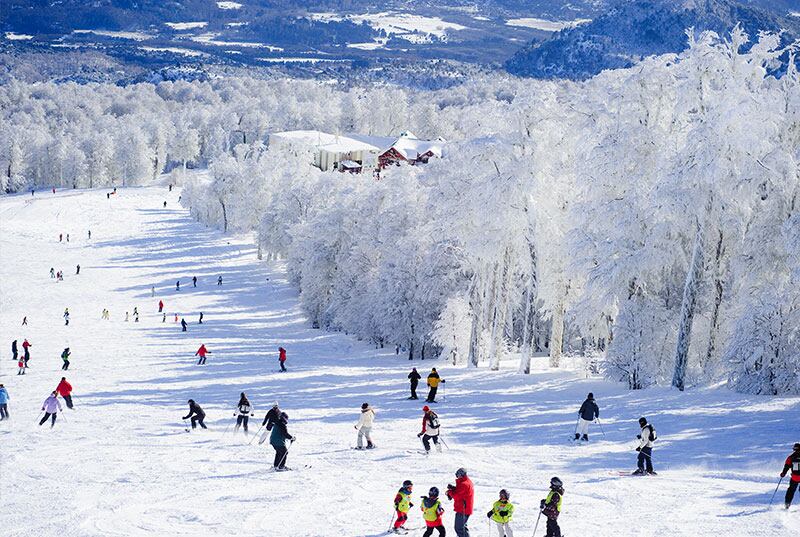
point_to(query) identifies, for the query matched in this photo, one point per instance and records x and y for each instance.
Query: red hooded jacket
(202, 351)
(282, 354)
(462, 495)
(64, 388)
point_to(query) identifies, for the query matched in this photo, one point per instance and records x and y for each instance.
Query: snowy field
(121, 463)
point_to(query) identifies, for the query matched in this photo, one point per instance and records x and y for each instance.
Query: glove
(411, 505)
(234, 414)
(503, 513)
(639, 436)
(292, 439)
(418, 436)
(489, 514)
(542, 504)
(638, 449)
(251, 415)
(355, 427)
(443, 381)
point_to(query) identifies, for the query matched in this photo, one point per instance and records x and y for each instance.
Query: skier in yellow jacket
(501, 514)
(433, 384)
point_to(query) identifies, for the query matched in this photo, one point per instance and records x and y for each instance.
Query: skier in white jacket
(364, 426)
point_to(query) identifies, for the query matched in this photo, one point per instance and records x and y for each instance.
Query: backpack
(653, 436)
(433, 420)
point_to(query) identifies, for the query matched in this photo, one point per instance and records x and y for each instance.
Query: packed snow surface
(408, 26)
(229, 5)
(186, 25)
(121, 463)
(546, 25)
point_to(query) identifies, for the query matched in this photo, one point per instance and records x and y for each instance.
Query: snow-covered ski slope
(121, 463)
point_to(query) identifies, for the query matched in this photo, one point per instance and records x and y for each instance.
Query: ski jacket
(244, 408)
(433, 379)
(502, 507)
(366, 418)
(25, 345)
(792, 463)
(432, 512)
(402, 502)
(414, 377)
(64, 388)
(194, 409)
(280, 433)
(202, 351)
(427, 427)
(51, 404)
(644, 438)
(65, 354)
(282, 354)
(589, 410)
(552, 505)
(462, 495)
(271, 417)
(14, 346)
(4, 397)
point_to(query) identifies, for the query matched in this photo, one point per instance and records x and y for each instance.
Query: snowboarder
(551, 507)
(402, 505)
(463, 495)
(201, 318)
(66, 316)
(21, 365)
(52, 272)
(243, 413)
(792, 463)
(65, 354)
(194, 280)
(433, 383)
(414, 377)
(587, 414)
(26, 352)
(77, 270)
(64, 389)
(160, 306)
(280, 434)
(219, 280)
(201, 352)
(197, 415)
(645, 448)
(14, 350)
(432, 512)
(501, 514)
(282, 358)
(50, 407)
(4, 397)
(364, 426)
(183, 325)
(430, 429)
(178, 285)
(25, 320)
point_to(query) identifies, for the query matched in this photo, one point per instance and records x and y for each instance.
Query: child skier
(21, 365)
(501, 514)
(551, 507)
(792, 463)
(430, 429)
(364, 426)
(65, 354)
(50, 407)
(402, 505)
(243, 413)
(432, 512)
(645, 449)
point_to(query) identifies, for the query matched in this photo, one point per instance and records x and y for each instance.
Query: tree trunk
(224, 216)
(693, 276)
(557, 335)
(718, 289)
(525, 358)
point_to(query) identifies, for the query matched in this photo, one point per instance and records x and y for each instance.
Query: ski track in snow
(121, 463)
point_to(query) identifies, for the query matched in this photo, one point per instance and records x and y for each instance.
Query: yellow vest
(403, 506)
(550, 497)
(431, 513)
(500, 506)
(433, 382)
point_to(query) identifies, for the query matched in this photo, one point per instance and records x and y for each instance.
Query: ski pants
(426, 441)
(283, 367)
(414, 389)
(461, 525)
(646, 459)
(281, 453)
(789, 492)
(3, 411)
(504, 529)
(432, 394)
(401, 519)
(16, 354)
(552, 528)
(363, 432)
(48, 415)
(241, 420)
(198, 419)
(68, 400)
(66, 365)
(201, 361)
(583, 427)
(429, 531)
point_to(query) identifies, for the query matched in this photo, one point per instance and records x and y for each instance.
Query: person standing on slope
(364, 426)
(551, 507)
(52, 272)
(160, 306)
(65, 354)
(501, 514)
(645, 449)
(432, 512)
(50, 407)
(402, 505)
(178, 285)
(77, 270)
(792, 463)
(280, 435)
(201, 352)
(4, 397)
(587, 414)
(183, 324)
(194, 281)
(414, 378)
(197, 415)
(26, 352)
(219, 280)
(66, 316)
(14, 350)
(282, 358)
(64, 389)
(21, 365)
(430, 429)
(243, 413)
(463, 496)
(433, 383)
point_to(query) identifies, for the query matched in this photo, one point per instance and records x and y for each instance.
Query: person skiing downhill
(414, 378)
(219, 280)
(183, 325)
(792, 463)
(26, 352)
(64, 389)
(402, 505)
(66, 316)
(243, 413)
(21, 365)
(269, 420)
(160, 306)
(282, 358)
(4, 397)
(463, 496)
(587, 414)
(50, 407)
(77, 270)
(645, 449)
(25, 320)
(432, 512)
(364, 426)
(433, 383)
(201, 352)
(430, 429)
(196, 414)
(200, 321)
(52, 272)
(501, 513)
(278, 438)
(178, 285)
(65, 354)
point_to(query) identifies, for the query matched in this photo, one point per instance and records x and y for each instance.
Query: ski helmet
(642, 421)
(190, 401)
(434, 492)
(408, 483)
(556, 483)
(364, 406)
(275, 404)
(796, 446)
(504, 494)
(590, 396)
(461, 472)
(426, 408)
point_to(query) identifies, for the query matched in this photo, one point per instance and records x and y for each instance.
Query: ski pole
(226, 430)
(444, 394)
(392, 522)
(537, 522)
(254, 436)
(283, 460)
(39, 416)
(186, 425)
(776, 491)
(64, 417)
(443, 442)
(601, 426)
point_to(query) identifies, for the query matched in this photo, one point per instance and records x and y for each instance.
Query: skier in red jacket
(201, 352)
(462, 494)
(792, 464)
(282, 358)
(64, 389)
(160, 306)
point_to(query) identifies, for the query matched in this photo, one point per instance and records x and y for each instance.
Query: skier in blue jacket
(280, 434)
(4, 397)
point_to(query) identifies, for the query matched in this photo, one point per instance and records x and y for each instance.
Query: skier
(77, 270)
(197, 415)
(25, 349)
(60, 237)
(645, 449)
(64, 389)
(135, 315)
(433, 383)
(244, 411)
(269, 420)
(414, 377)
(178, 285)
(501, 514)
(170, 187)
(432, 513)
(280, 434)
(219, 280)
(364, 426)
(164, 318)
(52, 272)
(25, 320)
(4, 397)
(176, 317)
(201, 318)
(152, 291)
(67, 237)
(105, 314)
(282, 358)
(792, 463)
(430, 429)
(183, 325)
(14, 350)
(551, 507)
(587, 414)
(135, 311)
(90, 234)
(201, 352)
(165, 204)
(462, 494)
(21, 365)
(66, 316)
(194, 278)
(160, 306)
(65, 354)
(402, 505)
(126, 316)
(50, 407)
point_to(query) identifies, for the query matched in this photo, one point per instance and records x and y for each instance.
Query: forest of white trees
(646, 218)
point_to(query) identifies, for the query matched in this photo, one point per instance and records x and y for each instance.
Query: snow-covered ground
(546, 25)
(121, 463)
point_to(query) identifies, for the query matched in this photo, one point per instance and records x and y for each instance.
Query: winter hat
(406, 483)
(426, 408)
(796, 444)
(191, 401)
(504, 494)
(275, 404)
(590, 396)
(642, 421)
(434, 492)
(461, 472)
(364, 406)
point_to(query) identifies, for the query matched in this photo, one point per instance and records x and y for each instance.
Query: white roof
(407, 144)
(350, 164)
(329, 142)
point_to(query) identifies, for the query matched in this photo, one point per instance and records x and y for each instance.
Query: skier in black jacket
(414, 377)
(792, 465)
(14, 350)
(587, 414)
(269, 420)
(197, 415)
